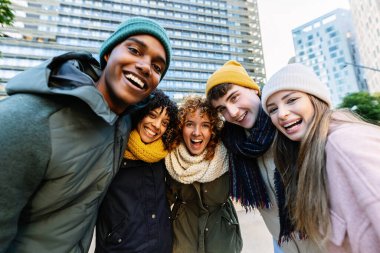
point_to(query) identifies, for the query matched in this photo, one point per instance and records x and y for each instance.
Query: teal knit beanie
(134, 26)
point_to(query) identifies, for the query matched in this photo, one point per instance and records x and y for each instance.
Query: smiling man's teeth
(241, 117)
(136, 80)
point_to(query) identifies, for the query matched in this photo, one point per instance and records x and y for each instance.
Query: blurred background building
(366, 17)
(343, 48)
(327, 44)
(204, 35)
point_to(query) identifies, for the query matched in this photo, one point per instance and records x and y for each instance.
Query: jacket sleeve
(23, 160)
(356, 151)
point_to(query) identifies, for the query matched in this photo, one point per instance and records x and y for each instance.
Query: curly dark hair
(160, 100)
(192, 104)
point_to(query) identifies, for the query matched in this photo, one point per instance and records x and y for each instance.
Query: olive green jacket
(204, 218)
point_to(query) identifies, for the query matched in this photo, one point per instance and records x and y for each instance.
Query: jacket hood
(72, 74)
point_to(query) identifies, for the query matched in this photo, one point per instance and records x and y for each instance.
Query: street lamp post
(361, 66)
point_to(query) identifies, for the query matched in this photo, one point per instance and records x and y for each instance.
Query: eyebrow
(232, 93)
(284, 97)
(145, 46)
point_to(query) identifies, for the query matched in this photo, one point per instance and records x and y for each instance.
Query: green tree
(6, 14)
(364, 104)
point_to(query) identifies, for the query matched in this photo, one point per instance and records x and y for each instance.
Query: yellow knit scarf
(138, 150)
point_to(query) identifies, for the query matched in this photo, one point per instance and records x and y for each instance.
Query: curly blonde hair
(190, 105)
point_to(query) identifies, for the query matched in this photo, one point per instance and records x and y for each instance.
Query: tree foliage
(364, 104)
(6, 14)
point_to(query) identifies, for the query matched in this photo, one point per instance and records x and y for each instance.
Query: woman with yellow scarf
(135, 214)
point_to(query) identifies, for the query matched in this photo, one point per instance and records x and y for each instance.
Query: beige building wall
(366, 17)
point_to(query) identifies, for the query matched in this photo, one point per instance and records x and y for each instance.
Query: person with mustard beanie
(333, 189)
(248, 134)
(64, 127)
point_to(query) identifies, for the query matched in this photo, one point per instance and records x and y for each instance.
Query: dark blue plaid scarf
(247, 183)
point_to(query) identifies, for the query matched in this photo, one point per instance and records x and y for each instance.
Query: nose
(232, 111)
(283, 113)
(196, 131)
(143, 65)
(156, 124)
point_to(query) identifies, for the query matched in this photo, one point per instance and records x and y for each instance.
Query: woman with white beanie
(329, 162)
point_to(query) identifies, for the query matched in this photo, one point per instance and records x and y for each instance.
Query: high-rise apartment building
(204, 34)
(366, 18)
(327, 44)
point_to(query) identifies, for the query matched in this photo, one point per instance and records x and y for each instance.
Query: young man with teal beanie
(248, 134)
(63, 132)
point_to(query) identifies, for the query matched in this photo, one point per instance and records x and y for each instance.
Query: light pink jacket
(353, 169)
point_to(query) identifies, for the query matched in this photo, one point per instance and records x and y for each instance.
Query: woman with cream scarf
(134, 215)
(204, 218)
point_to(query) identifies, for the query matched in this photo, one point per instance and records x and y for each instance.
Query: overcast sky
(279, 17)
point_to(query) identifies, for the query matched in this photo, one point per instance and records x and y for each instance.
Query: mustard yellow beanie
(231, 72)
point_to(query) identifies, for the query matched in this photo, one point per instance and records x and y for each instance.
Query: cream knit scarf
(186, 169)
(138, 150)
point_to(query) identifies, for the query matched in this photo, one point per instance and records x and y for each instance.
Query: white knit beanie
(297, 77)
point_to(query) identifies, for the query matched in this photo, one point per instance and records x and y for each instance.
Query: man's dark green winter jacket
(60, 147)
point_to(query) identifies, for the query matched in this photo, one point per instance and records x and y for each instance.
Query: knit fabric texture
(186, 168)
(247, 183)
(138, 150)
(295, 77)
(231, 72)
(135, 26)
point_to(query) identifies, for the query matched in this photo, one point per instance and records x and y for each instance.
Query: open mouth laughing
(150, 132)
(289, 127)
(135, 81)
(194, 141)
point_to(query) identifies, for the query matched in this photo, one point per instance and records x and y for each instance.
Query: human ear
(106, 57)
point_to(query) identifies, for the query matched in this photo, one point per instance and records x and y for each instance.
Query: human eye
(157, 68)
(134, 50)
(206, 125)
(165, 123)
(291, 100)
(189, 124)
(221, 109)
(272, 109)
(234, 98)
(152, 115)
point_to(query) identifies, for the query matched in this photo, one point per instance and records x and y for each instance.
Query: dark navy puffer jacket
(134, 216)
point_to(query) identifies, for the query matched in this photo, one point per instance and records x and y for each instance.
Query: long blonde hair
(303, 169)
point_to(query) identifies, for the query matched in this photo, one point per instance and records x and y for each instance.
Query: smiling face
(291, 112)
(196, 132)
(240, 106)
(153, 126)
(134, 68)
